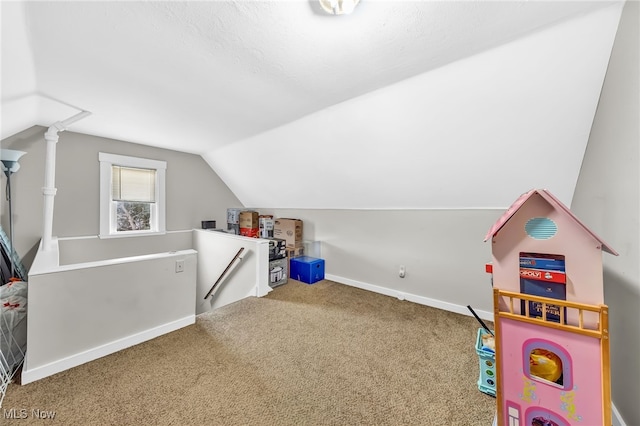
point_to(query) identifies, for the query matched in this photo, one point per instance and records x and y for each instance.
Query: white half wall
(475, 133)
(81, 312)
(246, 277)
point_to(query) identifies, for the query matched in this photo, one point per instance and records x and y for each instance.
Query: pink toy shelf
(573, 387)
(551, 326)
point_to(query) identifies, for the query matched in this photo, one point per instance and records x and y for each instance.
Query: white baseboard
(434, 303)
(31, 375)
(451, 307)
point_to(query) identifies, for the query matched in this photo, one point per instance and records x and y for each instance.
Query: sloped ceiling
(421, 104)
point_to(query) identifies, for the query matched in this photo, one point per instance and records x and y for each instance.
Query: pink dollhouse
(551, 326)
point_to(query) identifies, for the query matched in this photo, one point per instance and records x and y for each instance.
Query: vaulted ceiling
(418, 104)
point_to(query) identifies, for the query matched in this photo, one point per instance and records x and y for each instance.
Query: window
(132, 200)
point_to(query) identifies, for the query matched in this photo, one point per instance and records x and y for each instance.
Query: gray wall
(443, 250)
(194, 192)
(607, 198)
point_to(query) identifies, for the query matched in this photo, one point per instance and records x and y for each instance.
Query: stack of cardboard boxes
(301, 268)
(285, 244)
(248, 223)
(289, 233)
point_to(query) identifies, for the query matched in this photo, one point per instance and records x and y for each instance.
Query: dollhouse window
(513, 413)
(536, 416)
(541, 228)
(547, 362)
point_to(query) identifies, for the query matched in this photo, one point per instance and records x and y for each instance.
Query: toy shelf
(584, 343)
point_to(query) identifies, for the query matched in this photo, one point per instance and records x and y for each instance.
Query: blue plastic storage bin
(306, 269)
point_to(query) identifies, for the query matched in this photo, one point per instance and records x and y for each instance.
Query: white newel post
(49, 189)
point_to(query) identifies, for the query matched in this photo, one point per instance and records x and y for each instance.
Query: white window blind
(133, 184)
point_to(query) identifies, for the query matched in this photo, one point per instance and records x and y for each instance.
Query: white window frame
(107, 209)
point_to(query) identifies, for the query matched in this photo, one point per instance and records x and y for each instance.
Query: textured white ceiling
(475, 133)
(436, 104)
(198, 75)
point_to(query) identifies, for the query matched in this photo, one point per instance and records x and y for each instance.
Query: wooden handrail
(221, 277)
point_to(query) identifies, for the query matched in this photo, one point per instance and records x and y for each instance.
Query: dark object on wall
(208, 224)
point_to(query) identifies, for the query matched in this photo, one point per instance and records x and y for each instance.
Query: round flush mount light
(339, 7)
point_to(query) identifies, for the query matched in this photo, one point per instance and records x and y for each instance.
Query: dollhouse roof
(554, 202)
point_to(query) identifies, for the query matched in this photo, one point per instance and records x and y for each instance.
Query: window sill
(131, 234)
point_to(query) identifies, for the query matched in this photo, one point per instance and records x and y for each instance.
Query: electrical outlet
(180, 265)
(402, 272)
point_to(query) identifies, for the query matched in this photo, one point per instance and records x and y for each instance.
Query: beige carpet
(321, 354)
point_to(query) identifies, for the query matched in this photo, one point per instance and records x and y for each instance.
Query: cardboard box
(278, 270)
(294, 251)
(265, 223)
(248, 219)
(277, 248)
(233, 228)
(249, 232)
(233, 216)
(289, 230)
(307, 269)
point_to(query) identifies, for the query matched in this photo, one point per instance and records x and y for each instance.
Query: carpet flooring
(321, 354)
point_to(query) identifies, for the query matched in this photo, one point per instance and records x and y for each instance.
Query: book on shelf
(543, 276)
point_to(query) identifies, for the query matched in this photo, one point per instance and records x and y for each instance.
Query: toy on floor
(488, 340)
(488, 343)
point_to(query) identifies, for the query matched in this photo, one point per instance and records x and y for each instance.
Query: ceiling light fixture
(338, 7)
